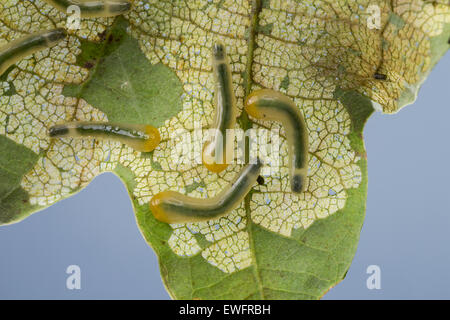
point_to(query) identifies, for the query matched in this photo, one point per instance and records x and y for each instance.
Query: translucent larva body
(21, 48)
(93, 9)
(144, 138)
(174, 207)
(225, 114)
(269, 105)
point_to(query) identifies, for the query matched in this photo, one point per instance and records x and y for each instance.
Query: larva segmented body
(144, 138)
(270, 105)
(174, 207)
(93, 9)
(21, 48)
(225, 114)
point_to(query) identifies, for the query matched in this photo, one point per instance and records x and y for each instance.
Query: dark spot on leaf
(260, 180)
(4, 76)
(265, 4)
(88, 65)
(156, 166)
(266, 29)
(285, 83)
(11, 91)
(102, 35)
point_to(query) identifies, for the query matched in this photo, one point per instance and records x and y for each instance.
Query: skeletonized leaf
(153, 66)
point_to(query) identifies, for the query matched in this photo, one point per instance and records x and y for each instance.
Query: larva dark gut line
(93, 9)
(19, 49)
(380, 76)
(225, 114)
(270, 105)
(174, 207)
(144, 138)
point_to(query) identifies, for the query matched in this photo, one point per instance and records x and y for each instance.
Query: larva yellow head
(154, 138)
(216, 167)
(251, 104)
(209, 159)
(262, 99)
(156, 207)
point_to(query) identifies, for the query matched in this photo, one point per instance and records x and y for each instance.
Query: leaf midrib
(256, 7)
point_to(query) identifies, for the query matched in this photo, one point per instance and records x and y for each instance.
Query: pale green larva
(271, 105)
(144, 138)
(225, 114)
(19, 49)
(95, 8)
(174, 207)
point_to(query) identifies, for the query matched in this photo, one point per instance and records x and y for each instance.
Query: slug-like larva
(225, 115)
(93, 9)
(174, 207)
(273, 106)
(21, 48)
(380, 76)
(140, 137)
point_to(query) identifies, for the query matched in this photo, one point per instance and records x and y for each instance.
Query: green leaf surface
(153, 66)
(15, 162)
(124, 85)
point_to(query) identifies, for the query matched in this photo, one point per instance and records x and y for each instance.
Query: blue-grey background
(406, 231)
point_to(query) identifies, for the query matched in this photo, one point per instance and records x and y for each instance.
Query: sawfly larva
(140, 137)
(271, 105)
(93, 9)
(19, 49)
(225, 114)
(174, 207)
